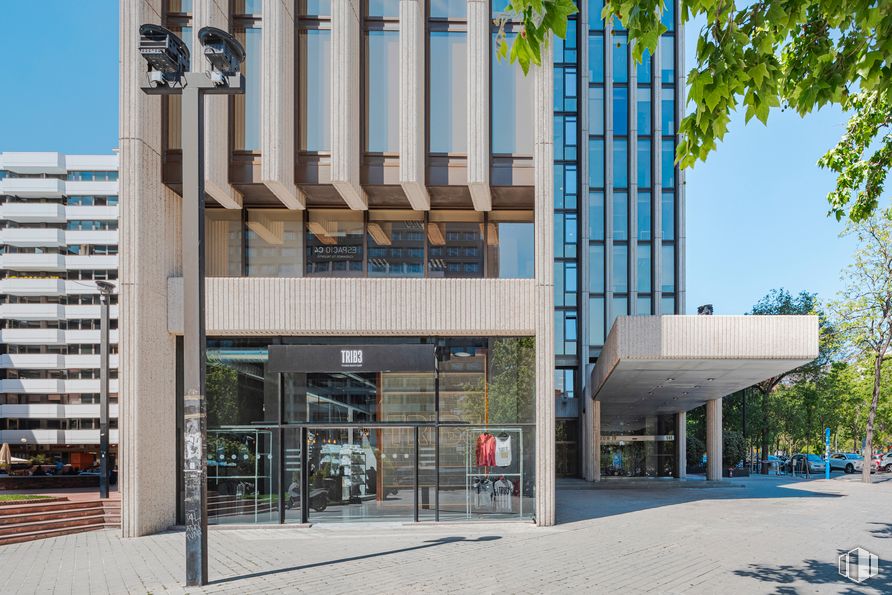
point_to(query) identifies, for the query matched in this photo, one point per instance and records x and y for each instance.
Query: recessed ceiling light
(710, 379)
(670, 379)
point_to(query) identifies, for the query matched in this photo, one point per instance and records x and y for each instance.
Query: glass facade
(452, 441)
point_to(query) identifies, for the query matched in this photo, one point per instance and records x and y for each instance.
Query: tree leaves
(537, 21)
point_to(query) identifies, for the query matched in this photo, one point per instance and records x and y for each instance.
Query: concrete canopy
(667, 364)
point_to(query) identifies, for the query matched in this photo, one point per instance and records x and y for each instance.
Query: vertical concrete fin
(277, 104)
(479, 37)
(345, 121)
(412, 94)
(543, 167)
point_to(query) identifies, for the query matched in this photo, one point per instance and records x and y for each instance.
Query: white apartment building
(58, 235)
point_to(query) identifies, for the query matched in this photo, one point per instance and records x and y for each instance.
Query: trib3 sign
(394, 357)
(351, 358)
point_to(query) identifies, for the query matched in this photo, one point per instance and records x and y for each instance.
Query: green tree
(782, 302)
(796, 54)
(864, 308)
(538, 21)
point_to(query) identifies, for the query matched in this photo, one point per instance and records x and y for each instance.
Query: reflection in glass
(667, 111)
(317, 8)
(596, 163)
(667, 60)
(667, 269)
(596, 58)
(512, 106)
(565, 186)
(620, 216)
(596, 109)
(620, 275)
(668, 164)
(247, 106)
(242, 467)
(595, 8)
(644, 268)
(509, 242)
(619, 306)
(448, 9)
(315, 89)
(448, 116)
(455, 244)
(620, 59)
(645, 223)
(620, 163)
(382, 87)
(668, 16)
(644, 304)
(668, 215)
(667, 305)
(384, 8)
(596, 216)
(621, 110)
(223, 242)
(596, 326)
(396, 244)
(643, 111)
(596, 268)
(643, 165)
(565, 283)
(565, 234)
(274, 242)
(334, 243)
(644, 68)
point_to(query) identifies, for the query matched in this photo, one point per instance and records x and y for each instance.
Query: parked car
(885, 462)
(848, 462)
(796, 464)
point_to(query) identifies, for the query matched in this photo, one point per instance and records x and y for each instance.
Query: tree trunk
(868, 442)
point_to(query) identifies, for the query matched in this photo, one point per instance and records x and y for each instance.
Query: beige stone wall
(357, 307)
(149, 224)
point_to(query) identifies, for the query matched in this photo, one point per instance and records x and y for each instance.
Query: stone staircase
(56, 517)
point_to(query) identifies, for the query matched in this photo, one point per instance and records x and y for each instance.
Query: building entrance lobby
(379, 429)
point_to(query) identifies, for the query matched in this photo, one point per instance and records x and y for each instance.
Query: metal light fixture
(169, 74)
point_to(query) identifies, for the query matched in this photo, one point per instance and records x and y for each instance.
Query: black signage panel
(352, 358)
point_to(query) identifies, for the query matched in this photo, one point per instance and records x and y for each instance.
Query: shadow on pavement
(813, 573)
(883, 530)
(579, 505)
(427, 544)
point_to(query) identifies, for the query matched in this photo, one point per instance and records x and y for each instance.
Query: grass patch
(18, 497)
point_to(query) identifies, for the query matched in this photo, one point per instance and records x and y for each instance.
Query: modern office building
(58, 235)
(415, 258)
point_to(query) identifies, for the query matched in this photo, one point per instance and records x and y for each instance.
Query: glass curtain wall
(381, 76)
(247, 18)
(462, 435)
(314, 76)
(447, 111)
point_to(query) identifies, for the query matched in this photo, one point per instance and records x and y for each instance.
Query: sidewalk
(774, 535)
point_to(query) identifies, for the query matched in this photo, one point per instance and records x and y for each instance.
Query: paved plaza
(773, 535)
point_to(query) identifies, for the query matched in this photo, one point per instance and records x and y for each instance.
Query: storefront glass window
(334, 243)
(223, 250)
(509, 242)
(274, 239)
(396, 244)
(455, 244)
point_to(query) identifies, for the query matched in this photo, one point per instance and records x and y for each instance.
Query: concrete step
(52, 524)
(56, 532)
(42, 507)
(28, 517)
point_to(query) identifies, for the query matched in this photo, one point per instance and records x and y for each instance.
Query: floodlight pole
(195, 85)
(104, 294)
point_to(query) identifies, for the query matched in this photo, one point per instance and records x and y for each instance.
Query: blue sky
(756, 212)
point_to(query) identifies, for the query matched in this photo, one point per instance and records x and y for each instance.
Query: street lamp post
(105, 291)
(168, 74)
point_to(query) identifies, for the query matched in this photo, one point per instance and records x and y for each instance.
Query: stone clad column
(149, 253)
(714, 439)
(345, 85)
(277, 104)
(681, 445)
(543, 166)
(478, 103)
(412, 94)
(596, 442)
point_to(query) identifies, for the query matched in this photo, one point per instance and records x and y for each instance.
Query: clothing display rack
(472, 471)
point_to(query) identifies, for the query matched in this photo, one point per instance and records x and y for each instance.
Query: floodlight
(223, 51)
(104, 287)
(166, 54)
